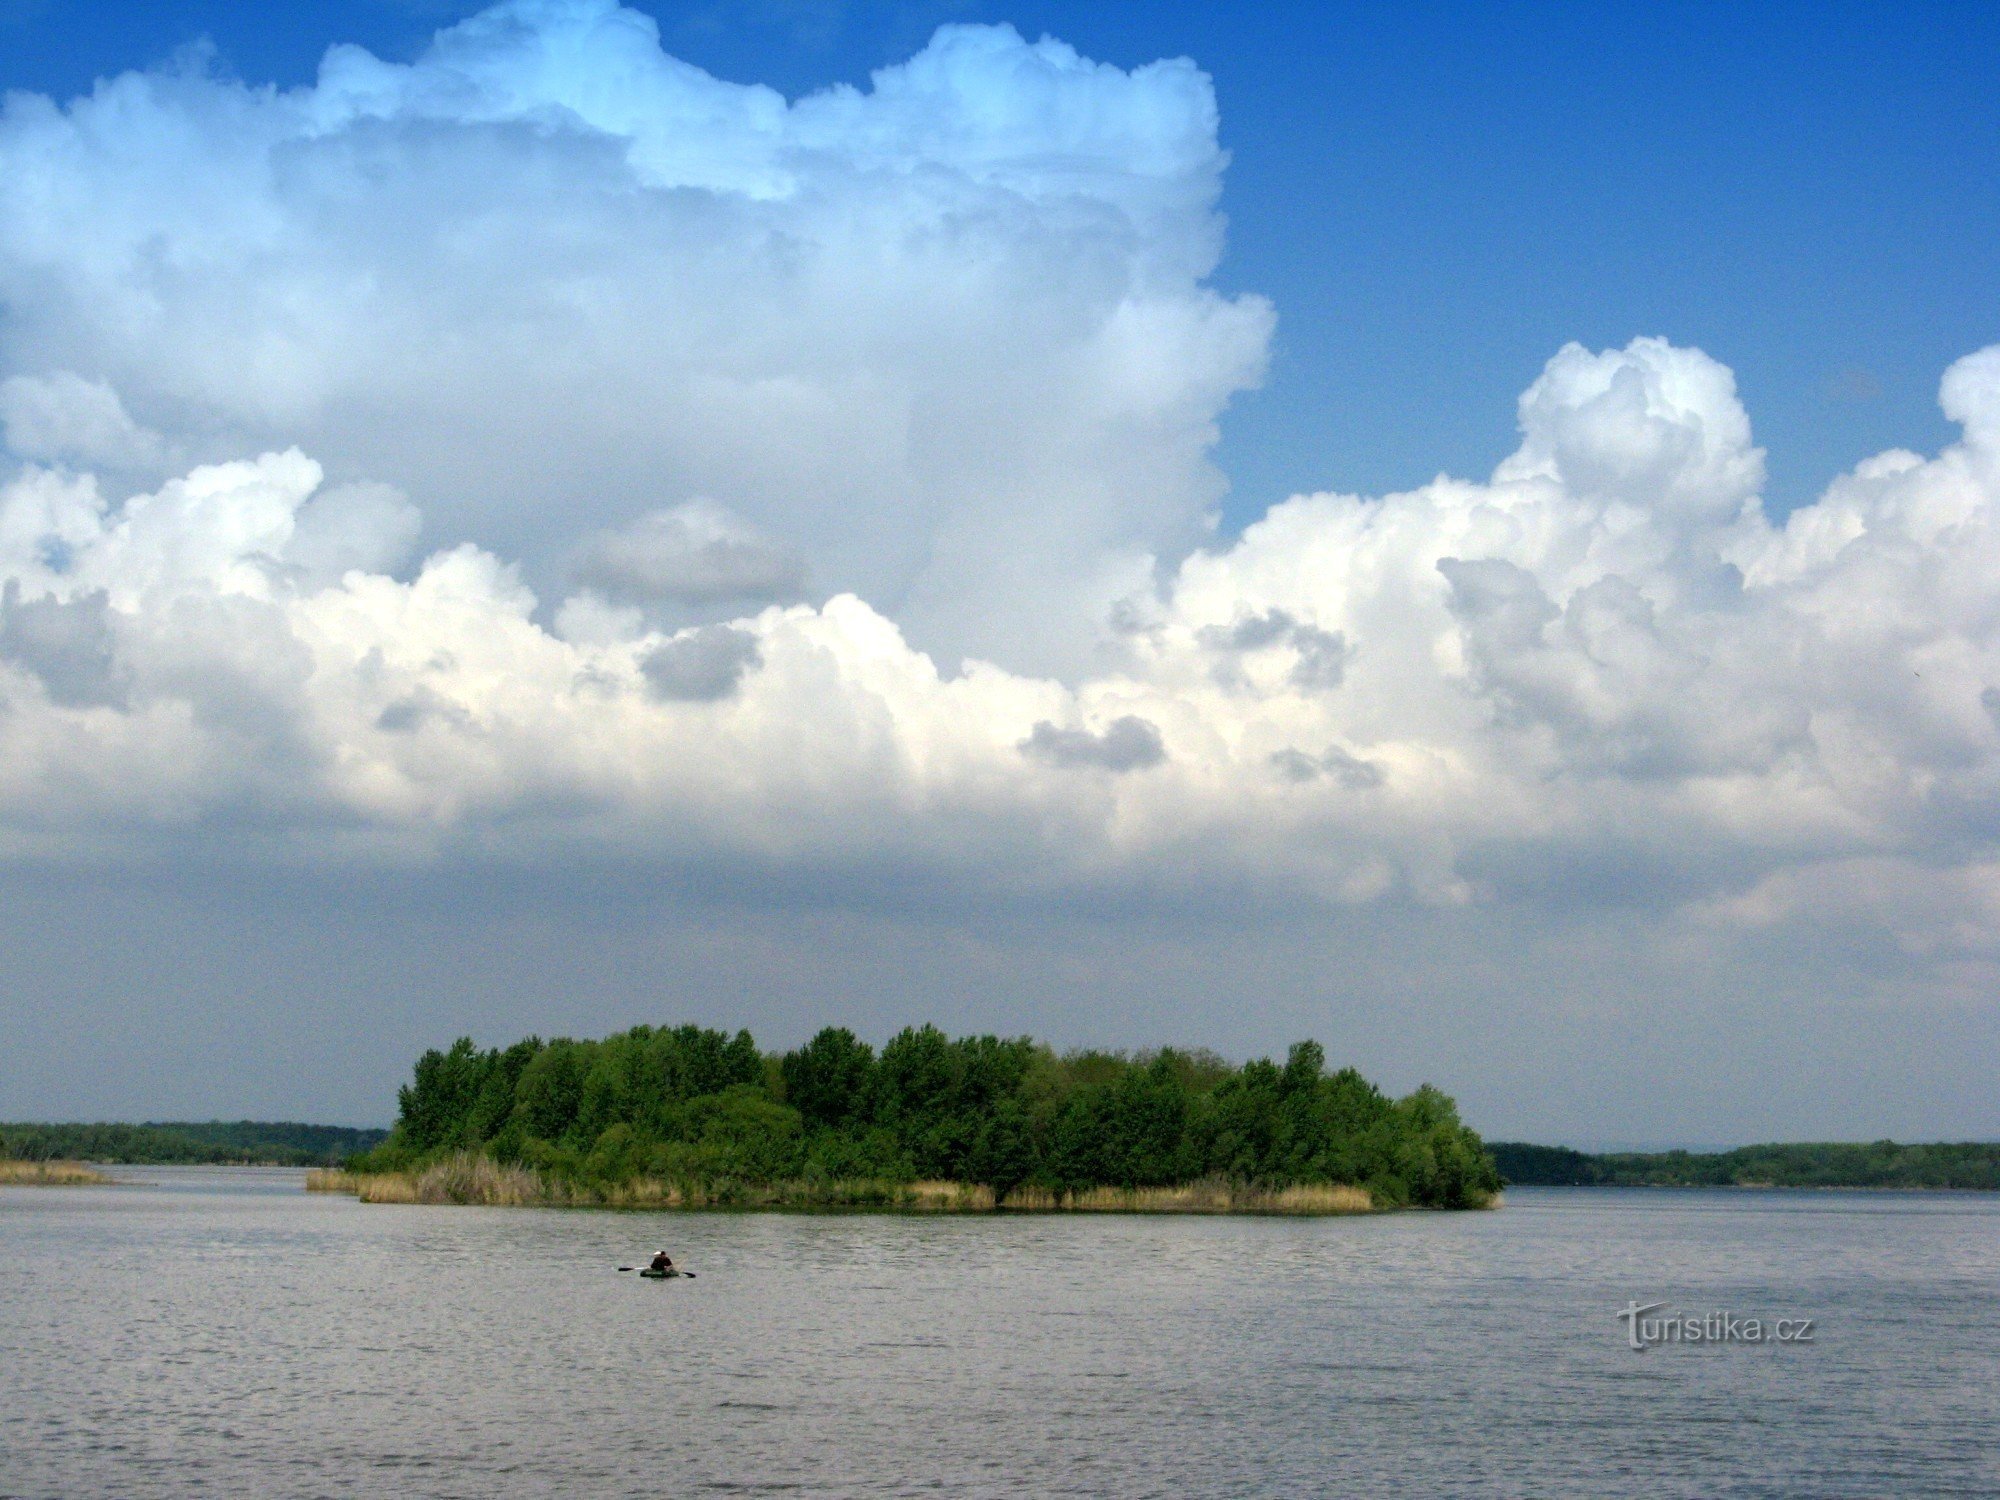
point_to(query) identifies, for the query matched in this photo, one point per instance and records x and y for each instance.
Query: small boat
(652, 1275)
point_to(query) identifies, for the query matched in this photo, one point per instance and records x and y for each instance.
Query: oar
(688, 1274)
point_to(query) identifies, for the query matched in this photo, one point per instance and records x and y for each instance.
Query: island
(690, 1117)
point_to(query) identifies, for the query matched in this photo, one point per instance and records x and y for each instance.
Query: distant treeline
(702, 1108)
(189, 1142)
(1877, 1164)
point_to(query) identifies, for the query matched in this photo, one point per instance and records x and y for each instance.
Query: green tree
(830, 1080)
(436, 1105)
(550, 1093)
(1003, 1157)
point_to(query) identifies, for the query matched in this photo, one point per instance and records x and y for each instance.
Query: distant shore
(1967, 1166)
(188, 1143)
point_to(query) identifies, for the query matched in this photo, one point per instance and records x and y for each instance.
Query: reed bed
(50, 1174)
(387, 1187)
(1211, 1196)
(466, 1178)
(469, 1179)
(949, 1197)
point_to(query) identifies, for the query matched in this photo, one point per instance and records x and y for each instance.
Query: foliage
(708, 1112)
(1876, 1164)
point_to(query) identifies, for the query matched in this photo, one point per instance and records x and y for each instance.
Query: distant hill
(1836, 1164)
(189, 1142)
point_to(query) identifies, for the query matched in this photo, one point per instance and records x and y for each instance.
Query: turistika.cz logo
(1643, 1331)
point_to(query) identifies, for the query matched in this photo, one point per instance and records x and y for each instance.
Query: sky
(1465, 532)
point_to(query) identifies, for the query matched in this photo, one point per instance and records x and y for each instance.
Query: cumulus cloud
(1661, 432)
(945, 348)
(947, 337)
(1464, 692)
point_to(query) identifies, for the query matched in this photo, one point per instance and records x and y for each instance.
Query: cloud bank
(947, 340)
(1603, 676)
(642, 357)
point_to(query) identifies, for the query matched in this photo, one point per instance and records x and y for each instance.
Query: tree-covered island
(689, 1116)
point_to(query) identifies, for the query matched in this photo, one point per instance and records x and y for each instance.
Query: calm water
(222, 1332)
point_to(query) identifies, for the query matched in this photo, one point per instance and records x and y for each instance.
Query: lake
(221, 1331)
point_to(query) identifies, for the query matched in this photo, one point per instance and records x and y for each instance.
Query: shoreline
(476, 1181)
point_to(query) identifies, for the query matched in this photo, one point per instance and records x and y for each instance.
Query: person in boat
(662, 1262)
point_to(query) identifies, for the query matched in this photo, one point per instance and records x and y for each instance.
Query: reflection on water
(220, 1331)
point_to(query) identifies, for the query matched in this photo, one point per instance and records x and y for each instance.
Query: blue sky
(516, 535)
(1437, 197)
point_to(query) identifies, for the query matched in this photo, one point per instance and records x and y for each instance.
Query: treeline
(1876, 1164)
(689, 1105)
(190, 1143)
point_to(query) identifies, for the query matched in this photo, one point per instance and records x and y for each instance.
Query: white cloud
(1653, 427)
(547, 279)
(944, 349)
(1668, 702)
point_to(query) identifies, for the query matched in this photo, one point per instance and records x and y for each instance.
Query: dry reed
(949, 1197)
(467, 1178)
(50, 1174)
(464, 1178)
(387, 1187)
